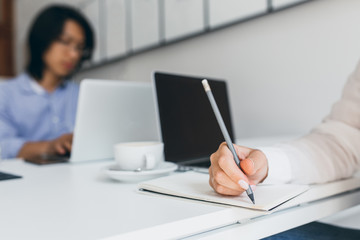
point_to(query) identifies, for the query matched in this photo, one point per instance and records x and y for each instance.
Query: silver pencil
(224, 131)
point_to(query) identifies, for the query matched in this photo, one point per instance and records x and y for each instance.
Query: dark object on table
(49, 159)
(8, 176)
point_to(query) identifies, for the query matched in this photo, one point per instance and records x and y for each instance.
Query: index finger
(227, 163)
(67, 145)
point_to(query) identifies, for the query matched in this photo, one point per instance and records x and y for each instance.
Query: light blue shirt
(29, 113)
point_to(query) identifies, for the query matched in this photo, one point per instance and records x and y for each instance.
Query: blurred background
(285, 61)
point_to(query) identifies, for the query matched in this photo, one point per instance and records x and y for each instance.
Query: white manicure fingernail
(243, 184)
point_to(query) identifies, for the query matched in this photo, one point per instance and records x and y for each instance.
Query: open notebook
(195, 186)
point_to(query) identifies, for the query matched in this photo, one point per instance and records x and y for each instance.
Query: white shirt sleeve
(279, 165)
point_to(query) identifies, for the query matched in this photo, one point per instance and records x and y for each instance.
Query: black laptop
(188, 125)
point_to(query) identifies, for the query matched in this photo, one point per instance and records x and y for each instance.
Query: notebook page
(195, 185)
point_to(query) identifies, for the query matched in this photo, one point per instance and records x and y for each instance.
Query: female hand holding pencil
(226, 178)
(227, 175)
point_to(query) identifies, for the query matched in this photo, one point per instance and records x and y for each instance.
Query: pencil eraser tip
(206, 85)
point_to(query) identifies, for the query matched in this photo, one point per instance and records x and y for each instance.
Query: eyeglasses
(70, 45)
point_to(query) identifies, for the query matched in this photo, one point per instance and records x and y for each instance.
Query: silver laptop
(109, 112)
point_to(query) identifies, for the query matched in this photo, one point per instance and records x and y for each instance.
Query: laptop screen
(189, 128)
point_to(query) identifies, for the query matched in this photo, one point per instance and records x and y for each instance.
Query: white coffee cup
(131, 156)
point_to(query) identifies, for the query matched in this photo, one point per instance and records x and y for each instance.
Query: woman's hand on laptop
(61, 145)
(225, 176)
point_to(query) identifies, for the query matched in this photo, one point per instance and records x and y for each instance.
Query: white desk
(75, 201)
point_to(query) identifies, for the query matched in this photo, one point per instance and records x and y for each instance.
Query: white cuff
(279, 165)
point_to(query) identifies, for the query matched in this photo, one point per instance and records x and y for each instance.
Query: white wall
(284, 70)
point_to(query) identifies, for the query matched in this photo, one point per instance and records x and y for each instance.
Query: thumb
(248, 166)
(252, 163)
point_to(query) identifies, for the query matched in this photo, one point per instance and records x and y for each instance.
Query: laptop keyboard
(7, 176)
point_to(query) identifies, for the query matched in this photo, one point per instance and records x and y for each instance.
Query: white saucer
(164, 168)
